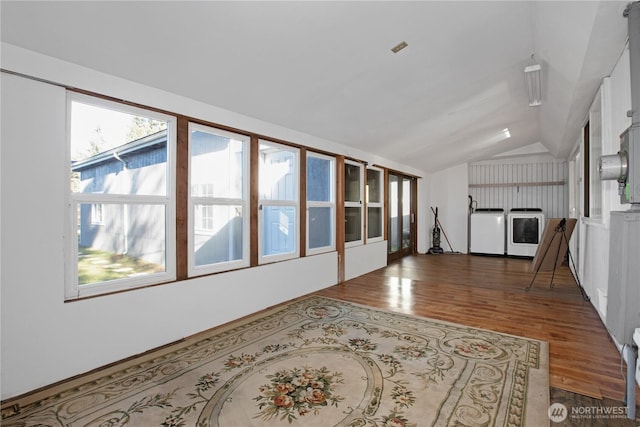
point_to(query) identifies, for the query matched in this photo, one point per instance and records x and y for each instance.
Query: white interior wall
(497, 179)
(595, 271)
(423, 229)
(448, 191)
(44, 339)
(615, 95)
(364, 258)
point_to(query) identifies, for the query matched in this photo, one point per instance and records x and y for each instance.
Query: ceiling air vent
(397, 48)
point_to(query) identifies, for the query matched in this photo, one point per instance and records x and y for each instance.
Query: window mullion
(182, 199)
(216, 201)
(120, 199)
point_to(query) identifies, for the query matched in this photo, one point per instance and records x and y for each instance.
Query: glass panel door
(402, 229)
(394, 219)
(406, 213)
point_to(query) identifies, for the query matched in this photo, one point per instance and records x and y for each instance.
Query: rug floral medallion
(317, 362)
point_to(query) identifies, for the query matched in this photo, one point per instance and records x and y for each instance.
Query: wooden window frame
(355, 204)
(380, 205)
(181, 197)
(312, 203)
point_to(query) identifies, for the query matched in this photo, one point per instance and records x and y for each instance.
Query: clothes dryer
(524, 231)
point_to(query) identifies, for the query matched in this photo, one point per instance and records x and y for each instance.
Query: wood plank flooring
(484, 292)
(489, 293)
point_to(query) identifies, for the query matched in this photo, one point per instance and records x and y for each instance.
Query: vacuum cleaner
(435, 236)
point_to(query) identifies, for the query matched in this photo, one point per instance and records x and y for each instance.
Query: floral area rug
(316, 362)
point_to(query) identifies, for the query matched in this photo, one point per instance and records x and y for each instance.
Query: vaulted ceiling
(326, 68)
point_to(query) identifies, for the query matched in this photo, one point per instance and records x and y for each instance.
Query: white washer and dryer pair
(516, 234)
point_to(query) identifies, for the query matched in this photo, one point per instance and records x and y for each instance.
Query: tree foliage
(143, 126)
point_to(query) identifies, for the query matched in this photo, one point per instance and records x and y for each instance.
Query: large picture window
(218, 200)
(321, 203)
(122, 202)
(278, 216)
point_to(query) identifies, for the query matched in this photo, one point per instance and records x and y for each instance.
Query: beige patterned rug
(315, 362)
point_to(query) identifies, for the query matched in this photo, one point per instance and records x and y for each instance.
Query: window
(278, 202)
(122, 202)
(320, 203)
(353, 191)
(374, 204)
(218, 200)
(96, 214)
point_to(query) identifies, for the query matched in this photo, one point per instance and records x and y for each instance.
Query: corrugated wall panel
(513, 185)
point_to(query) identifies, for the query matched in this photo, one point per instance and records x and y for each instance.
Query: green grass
(96, 266)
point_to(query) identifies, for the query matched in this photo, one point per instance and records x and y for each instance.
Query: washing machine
(524, 231)
(487, 232)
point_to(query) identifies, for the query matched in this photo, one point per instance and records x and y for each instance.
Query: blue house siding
(279, 233)
(119, 235)
(136, 230)
(223, 246)
(132, 175)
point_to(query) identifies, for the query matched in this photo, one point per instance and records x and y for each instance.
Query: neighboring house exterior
(139, 167)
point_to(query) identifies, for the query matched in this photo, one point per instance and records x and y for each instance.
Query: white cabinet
(623, 303)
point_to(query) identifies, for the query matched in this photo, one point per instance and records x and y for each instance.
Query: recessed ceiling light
(397, 48)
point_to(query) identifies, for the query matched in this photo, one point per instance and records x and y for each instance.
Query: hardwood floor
(489, 293)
